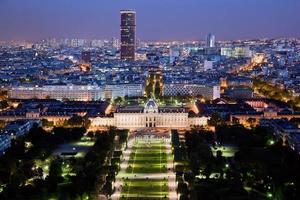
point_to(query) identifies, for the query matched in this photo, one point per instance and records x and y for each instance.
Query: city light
(159, 100)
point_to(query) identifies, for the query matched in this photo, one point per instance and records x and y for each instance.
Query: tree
(47, 123)
(55, 169)
(251, 121)
(2, 123)
(108, 188)
(235, 121)
(157, 89)
(19, 106)
(77, 121)
(182, 188)
(3, 104)
(119, 100)
(215, 120)
(295, 121)
(207, 171)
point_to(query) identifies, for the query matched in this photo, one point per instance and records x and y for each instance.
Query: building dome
(151, 106)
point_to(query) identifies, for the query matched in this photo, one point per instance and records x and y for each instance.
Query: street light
(269, 195)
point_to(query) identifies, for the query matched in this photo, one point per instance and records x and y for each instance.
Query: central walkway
(147, 170)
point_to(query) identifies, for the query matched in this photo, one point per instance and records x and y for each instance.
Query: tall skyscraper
(128, 27)
(210, 40)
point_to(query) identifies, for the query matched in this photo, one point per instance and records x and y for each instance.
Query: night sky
(156, 19)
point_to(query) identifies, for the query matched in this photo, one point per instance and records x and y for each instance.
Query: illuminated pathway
(123, 166)
(146, 171)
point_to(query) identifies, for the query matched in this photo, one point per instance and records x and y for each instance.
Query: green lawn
(227, 150)
(145, 188)
(147, 159)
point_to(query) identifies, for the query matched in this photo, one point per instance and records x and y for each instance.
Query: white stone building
(150, 116)
(59, 92)
(76, 92)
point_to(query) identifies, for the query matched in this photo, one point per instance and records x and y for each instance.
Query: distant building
(224, 108)
(237, 81)
(265, 113)
(288, 132)
(243, 52)
(85, 61)
(151, 116)
(77, 92)
(19, 127)
(210, 40)
(239, 93)
(5, 141)
(174, 54)
(86, 57)
(59, 92)
(52, 110)
(181, 89)
(237, 52)
(128, 31)
(122, 90)
(208, 65)
(102, 114)
(115, 43)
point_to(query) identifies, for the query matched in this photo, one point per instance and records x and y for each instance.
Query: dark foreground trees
(68, 178)
(19, 175)
(259, 169)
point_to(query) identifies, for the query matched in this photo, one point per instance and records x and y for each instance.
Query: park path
(169, 175)
(124, 165)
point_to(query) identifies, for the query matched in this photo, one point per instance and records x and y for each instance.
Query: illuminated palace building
(128, 27)
(151, 116)
(103, 115)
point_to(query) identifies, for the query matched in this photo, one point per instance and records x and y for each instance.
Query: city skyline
(34, 20)
(140, 99)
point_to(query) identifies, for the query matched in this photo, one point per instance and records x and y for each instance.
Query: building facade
(85, 57)
(128, 29)
(210, 40)
(59, 92)
(208, 92)
(129, 90)
(76, 92)
(150, 116)
(5, 142)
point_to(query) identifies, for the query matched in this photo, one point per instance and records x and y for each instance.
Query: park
(147, 169)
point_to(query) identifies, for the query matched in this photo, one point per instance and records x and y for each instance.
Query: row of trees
(178, 148)
(2, 123)
(74, 121)
(277, 93)
(3, 94)
(4, 104)
(154, 86)
(78, 121)
(96, 172)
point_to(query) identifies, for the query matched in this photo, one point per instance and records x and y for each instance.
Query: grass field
(143, 178)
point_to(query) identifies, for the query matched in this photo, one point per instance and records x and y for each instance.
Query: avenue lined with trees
(275, 92)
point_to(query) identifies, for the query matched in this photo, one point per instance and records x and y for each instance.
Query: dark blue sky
(156, 19)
